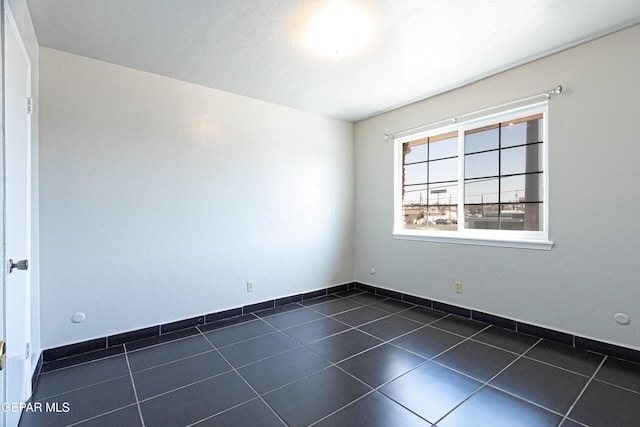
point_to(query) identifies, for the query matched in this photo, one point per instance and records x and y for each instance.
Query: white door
(17, 316)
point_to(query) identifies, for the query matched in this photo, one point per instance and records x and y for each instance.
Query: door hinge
(28, 352)
(29, 105)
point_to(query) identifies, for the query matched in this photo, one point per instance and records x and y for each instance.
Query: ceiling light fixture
(338, 31)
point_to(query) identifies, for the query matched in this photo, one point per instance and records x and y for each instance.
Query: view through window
(488, 175)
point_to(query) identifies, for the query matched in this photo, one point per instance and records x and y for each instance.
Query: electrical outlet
(250, 286)
(458, 287)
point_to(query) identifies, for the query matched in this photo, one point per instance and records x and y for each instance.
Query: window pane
(522, 188)
(443, 148)
(413, 205)
(512, 189)
(415, 151)
(521, 159)
(523, 131)
(415, 174)
(481, 165)
(503, 178)
(444, 218)
(481, 139)
(443, 170)
(533, 216)
(511, 219)
(443, 194)
(414, 218)
(481, 217)
(481, 191)
(522, 217)
(416, 194)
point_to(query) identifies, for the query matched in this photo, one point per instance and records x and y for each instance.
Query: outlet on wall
(457, 287)
(250, 286)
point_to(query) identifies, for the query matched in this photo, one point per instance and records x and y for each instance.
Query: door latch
(20, 265)
(3, 354)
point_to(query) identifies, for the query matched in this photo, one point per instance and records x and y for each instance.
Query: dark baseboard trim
(514, 325)
(113, 342)
(36, 372)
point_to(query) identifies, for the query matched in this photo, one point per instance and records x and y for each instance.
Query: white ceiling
(257, 48)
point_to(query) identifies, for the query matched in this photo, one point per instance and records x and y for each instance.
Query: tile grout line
(330, 362)
(146, 399)
(268, 357)
(94, 384)
(160, 343)
(562, 368)
(80, 388)
(486, 383)
(338, 298)
(335, 364)
(468, 338)
(619, 386)
(331, 365)
(180, 359)
(224, 411)
(424, 362)
(350, 328)
(214, 349)
(524, 356)
(233, 368)
(604, 359)
(389, 314)
(521, 354)
(99, 415)
(531, 401)
(133, 383)
(199, 330)
(351, 291)
(431, 360)
(344, 406)
(81, 363)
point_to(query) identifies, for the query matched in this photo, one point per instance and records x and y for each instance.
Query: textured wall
(592, 271)
(160, 199)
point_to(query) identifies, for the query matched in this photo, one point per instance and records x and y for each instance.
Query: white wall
(593, 271)
(160, 199)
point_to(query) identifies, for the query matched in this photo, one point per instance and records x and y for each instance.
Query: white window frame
(501, 238)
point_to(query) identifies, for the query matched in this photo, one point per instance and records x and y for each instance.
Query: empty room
(320, 213)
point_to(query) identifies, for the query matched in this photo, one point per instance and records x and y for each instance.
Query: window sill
(544, 245)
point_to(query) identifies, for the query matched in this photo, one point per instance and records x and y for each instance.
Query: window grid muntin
(464, 131)
(497, 122)
(425, 205)
(508, 238)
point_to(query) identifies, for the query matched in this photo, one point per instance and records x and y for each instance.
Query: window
(483, 181)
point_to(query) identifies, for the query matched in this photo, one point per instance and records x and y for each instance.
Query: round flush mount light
(338, 31)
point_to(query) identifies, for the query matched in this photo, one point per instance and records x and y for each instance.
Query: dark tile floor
(350, 359)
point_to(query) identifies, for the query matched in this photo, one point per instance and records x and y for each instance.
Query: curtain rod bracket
(555, 91)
